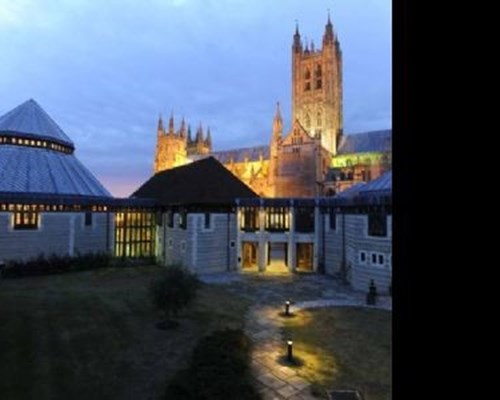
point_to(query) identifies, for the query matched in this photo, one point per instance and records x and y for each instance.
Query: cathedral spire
(199, 134)
(160, 125)
(182, 131)
(328, 35)
(208, 140)
(277, 122)
(297, 45)
(189, 138)
(171, 124)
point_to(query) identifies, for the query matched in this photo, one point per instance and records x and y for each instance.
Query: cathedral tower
(317, 87)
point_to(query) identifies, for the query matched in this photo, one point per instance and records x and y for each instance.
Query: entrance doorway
(277, 257)
(305, 256)
(249, 253)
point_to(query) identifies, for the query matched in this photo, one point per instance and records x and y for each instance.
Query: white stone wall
(201, 250)
(357, 241)
(60, 233)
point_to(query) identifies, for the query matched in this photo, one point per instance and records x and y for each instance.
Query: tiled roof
(28, 170)
(29, 118)
(239, 155)
(36, 170)
(205, 181)
(374, 141)
(381, 184)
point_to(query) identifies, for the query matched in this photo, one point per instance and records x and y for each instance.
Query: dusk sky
(104, 70)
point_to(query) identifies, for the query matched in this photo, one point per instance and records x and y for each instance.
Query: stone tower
(317, 87)
(170, 146)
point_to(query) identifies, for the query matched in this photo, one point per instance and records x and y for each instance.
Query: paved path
(268, 293)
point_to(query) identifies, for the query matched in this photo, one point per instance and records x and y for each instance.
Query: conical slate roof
(29, 118)
(25, 169)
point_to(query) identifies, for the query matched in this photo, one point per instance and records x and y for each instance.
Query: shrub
(55, 264)
(218, 369)
(173, 290)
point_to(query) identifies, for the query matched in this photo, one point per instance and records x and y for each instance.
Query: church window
(307, 86)
(318, 119)
(317, 72)
(307, 121)
(318, 84)
(307, 74)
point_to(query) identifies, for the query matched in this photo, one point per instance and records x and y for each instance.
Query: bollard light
(289, 356)
(287, 307)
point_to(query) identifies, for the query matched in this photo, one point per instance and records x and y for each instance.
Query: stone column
(239, 244)
(317, 236)
(292, 246)
(262, 239)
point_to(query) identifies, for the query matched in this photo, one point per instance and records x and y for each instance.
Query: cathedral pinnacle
(182, 131)
(160, 124)
(328, 35)
(171, 124)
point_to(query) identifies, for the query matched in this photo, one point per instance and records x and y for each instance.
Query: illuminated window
(135, 234)
(377, 224)
(25, 219)
(277, 219)
(249, 219)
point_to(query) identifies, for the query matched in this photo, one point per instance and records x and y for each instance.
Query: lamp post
(289, 355)
(287, 308)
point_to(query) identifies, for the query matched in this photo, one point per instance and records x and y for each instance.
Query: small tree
(173, 290)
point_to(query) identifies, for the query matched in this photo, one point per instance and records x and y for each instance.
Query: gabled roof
(205, 181)
(374, 141)
(239, 155)
(30, 119)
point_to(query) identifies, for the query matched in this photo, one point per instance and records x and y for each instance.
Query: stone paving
(268, 293)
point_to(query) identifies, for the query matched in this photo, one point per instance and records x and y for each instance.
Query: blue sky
(104, 70)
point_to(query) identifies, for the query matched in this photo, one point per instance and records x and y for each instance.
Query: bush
(173, 290)
(218, 369)
(55, 264)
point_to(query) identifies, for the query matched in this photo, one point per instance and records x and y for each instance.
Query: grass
(92, 335)
(344, 348)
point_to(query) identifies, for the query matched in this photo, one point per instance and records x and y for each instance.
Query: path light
(287, 308)
(289, 355)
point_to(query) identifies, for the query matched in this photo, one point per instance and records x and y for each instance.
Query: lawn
(92, 335)
(344, 348)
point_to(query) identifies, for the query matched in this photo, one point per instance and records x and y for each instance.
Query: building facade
(314, 158)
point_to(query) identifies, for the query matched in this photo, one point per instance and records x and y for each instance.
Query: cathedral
(314, 158)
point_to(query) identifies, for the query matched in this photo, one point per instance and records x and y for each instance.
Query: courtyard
(92, 334)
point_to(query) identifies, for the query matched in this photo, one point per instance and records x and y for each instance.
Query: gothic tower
(317, 87)
(170, 146)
